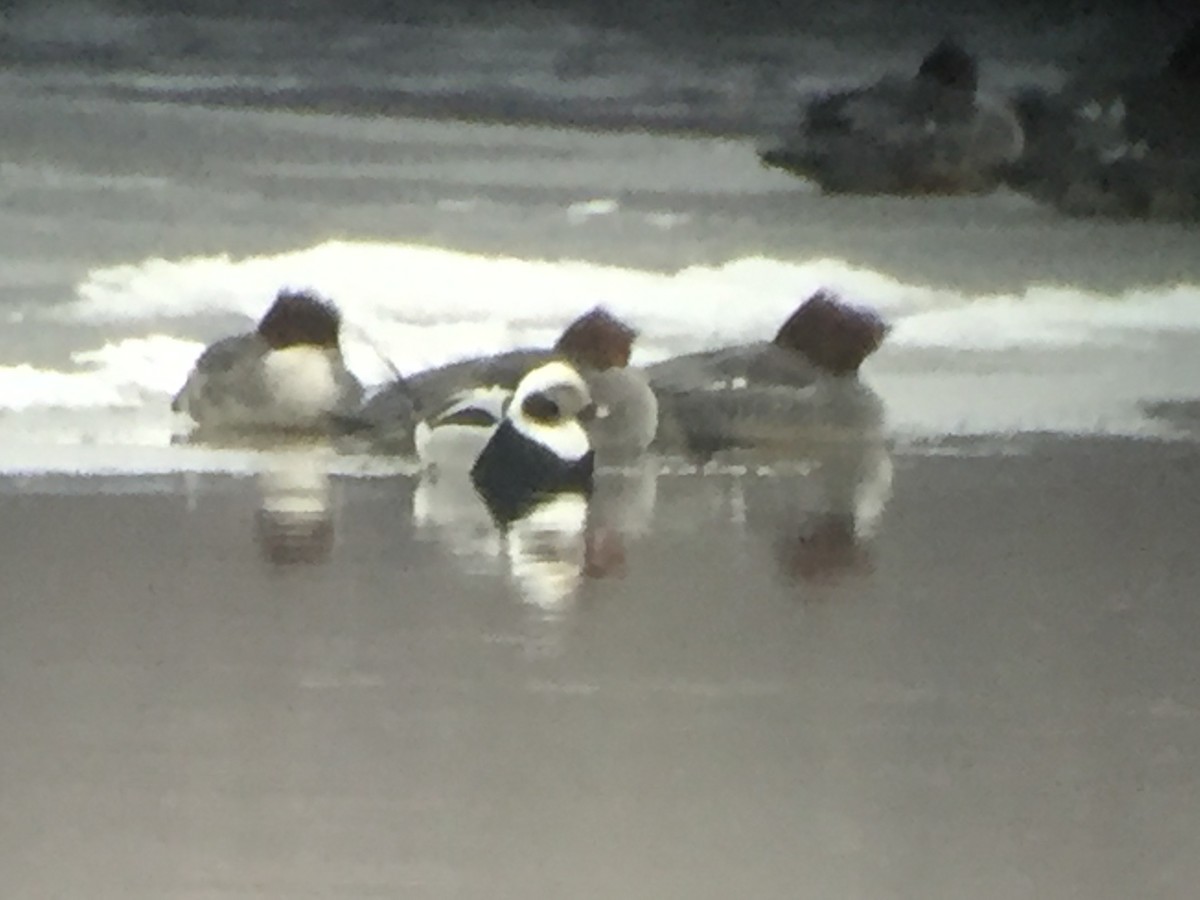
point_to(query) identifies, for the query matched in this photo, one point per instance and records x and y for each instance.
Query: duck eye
(541, 408)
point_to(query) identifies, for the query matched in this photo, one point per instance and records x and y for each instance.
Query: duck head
(549, 408)
(832, 334)
(300, 319)
(597, 340)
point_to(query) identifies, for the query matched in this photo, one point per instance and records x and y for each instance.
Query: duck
(597, 345)
(541, 448)
(286, 375)
(934, 133)
(774, 395)
(1123, 149)
(537, 452)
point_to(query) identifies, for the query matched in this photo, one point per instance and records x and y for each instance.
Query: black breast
(514, 474)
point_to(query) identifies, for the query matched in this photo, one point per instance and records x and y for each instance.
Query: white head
(546, 407)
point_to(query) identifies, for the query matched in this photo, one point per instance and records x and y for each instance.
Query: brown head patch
(597, 340)
(832, 334)
(300, 318)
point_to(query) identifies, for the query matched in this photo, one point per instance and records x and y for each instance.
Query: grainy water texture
(952, 658)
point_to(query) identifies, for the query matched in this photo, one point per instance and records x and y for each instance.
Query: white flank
(450, 445)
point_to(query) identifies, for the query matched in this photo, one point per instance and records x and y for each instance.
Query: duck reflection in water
(555, 545)
(295, 521)
(531, 505)
(822, 529)
(815, 509)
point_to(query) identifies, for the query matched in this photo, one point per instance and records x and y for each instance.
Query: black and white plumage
(286, 375)
(540, 448)
(453, 436)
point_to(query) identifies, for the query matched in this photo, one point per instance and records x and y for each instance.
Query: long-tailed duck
(540, 447)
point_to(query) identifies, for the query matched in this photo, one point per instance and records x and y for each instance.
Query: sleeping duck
(286, 375)
(932, 133)
(1128, 148)
(773, 395)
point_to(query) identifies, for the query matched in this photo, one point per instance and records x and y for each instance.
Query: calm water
(718, 690)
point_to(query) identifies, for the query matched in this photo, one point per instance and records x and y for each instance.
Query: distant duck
(286, 375)
(540, 448)
(1128, 148)
(597, 345)
(933, 133)
(772, 395)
